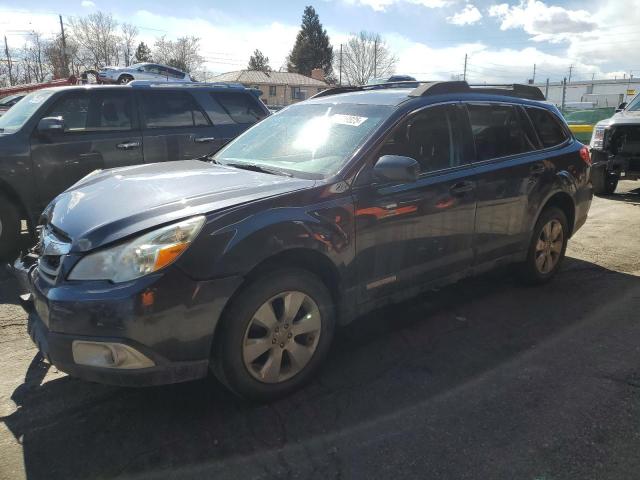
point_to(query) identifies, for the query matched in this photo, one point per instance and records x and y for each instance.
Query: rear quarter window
(549, 128)
(236, 107)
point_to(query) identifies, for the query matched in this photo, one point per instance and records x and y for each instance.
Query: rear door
(101, 131)
(175, 127)
(508, 174)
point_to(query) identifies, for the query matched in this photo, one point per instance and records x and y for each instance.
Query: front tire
(604, 183)
(547, 247)
(274, 335)
(9, 227)
(124, 79)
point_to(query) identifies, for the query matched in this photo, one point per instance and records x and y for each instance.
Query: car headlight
(597, 138)
(145, 254)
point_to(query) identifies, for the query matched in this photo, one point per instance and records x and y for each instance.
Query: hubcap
(281, 337)
(549, 246)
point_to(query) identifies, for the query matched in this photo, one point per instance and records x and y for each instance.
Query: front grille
(52, 248)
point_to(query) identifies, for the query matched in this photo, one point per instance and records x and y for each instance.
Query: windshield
(18, 115)
(312, 139)
(635, 104)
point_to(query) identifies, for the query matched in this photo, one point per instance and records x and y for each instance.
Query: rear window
(172, 109)
(549, 128)
(498, 131)
(238, 107)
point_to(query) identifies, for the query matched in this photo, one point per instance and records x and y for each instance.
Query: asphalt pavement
(485, 379)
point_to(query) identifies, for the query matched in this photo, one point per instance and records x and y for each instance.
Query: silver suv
(142, 71)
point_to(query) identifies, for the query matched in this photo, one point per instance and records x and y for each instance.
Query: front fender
(236, 242)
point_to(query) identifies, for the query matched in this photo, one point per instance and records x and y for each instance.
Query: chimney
(317, 74)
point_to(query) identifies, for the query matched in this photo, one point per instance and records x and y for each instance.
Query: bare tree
(182, 53)
(128, 41)
(365, 57)
(35, 67)
(97, 38)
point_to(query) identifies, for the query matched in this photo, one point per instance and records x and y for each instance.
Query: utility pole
(564, 93)
(570, 72)
(546, 91)
(65, 62)
(464, 75)
(340, 78)
(533, 80)
(9, 64)
(375, 58)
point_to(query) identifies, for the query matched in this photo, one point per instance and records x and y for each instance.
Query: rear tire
(603, 182)
(274, 335)
(546, 248)
(9, 228)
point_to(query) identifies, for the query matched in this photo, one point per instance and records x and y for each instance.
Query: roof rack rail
(511, 90)
(364, 88)
(421, 89)
(153, 83)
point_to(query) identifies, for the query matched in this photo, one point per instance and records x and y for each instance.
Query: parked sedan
(142, 71)
(245, 265)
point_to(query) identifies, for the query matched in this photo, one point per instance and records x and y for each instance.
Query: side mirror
(621, 107)
(48, 125)
(396, 168)
(140, 69)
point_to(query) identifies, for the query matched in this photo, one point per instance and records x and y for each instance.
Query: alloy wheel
(281, 337)
(549, 246)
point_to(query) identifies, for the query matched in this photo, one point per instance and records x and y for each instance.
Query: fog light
(108, 355)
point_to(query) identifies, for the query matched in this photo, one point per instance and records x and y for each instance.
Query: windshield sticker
(37, 97)
(353, 120)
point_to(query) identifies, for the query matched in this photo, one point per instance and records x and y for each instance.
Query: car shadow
(382, 363)
(631, 196)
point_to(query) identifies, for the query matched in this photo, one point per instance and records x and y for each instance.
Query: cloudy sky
(503, 39)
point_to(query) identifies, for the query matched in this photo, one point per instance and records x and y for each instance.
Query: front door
(100, 131)
(175, 127)
(413, 233)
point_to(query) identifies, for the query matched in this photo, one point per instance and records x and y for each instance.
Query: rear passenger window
(239, 107)
(549, 128)
(172, 109)
(498, 132)
(110, 111)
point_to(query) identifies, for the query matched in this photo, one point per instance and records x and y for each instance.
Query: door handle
(204, 139)
(537, 168)
(461, 188)
(128, 145)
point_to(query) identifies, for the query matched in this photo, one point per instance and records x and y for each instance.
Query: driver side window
(74, 109)
(428, 137)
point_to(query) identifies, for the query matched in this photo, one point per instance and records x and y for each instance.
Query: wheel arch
(301, 258)
(12, 195)
(564, 202)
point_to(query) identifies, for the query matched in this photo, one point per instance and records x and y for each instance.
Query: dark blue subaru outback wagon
(245, 264)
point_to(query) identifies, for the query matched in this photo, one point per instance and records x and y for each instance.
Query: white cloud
(544, 22)
(87, 4)
(382, 5)
(467, 16)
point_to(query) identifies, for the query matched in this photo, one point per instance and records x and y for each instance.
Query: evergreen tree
(143, 53)
(312, 48)
(259, 62)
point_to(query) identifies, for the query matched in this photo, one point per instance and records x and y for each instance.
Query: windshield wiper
(254, 167)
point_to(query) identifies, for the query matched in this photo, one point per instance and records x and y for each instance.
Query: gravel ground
(484, 379)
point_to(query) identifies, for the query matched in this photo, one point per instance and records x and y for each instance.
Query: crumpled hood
(111, 204)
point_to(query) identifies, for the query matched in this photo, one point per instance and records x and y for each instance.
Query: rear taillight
(585, 155)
